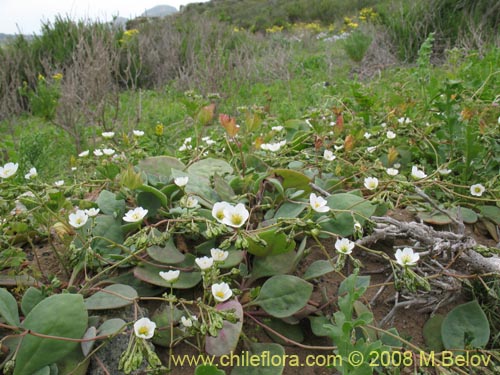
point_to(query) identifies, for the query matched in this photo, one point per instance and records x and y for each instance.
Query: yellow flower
(57, 76)
(159, 130)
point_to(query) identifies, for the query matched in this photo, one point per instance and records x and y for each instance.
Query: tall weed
(456, 23)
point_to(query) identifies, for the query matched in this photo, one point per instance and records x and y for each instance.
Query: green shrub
(356, 45)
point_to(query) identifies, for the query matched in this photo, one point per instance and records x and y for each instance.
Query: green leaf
(343, 222)
(150, 274)
(275, 243)
(467, 215)
(290, 331)
(160, 166)
(289, 210)
(317, 269)
(317, 325)
(223, 189)
(110, 205)
(149, 201)
(167, 254)
(390, 340)
(265, 368)
(272, 265)
(354, 284)
(111, 327)
(112, 297)
(208, 370)
(8, 308)
(87, 346)
(110, 229)
(229, 335)
(432, 333)
(492, 213)
(74, 363)
(365, 317)
(43, 371)
(209, 167)
(294, 180)
(466, 326)
(31, 298)
(434, 218)
(163, 335)
(283, 295)
(143, 289)
(61, 315)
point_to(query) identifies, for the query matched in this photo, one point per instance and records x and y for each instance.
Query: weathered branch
(438, 242)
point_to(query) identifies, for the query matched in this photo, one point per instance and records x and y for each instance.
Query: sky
(25, 16)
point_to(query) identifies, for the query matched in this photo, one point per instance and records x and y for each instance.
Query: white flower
(444, 171)
(344, 246)
(204, 263)
(383, 124)
(390, 134)
(338, 148)
(417, 173)
(144, 328)
(32, 173)
(371, 183)
(277, 128)
(221, 292)
(477, 190)
(371, 149)
(235, 216)
(187, 322)
(328, 155)
(318, 204)
(208, 141)
(84, 154)
(73, 169)
(135, 215)
(219, 255)
(19, 209)
(190, 202)
(78, 219)
(185, 147)
(98, 152)
(187, 140)
(181, 181)
(170, 276)
(218, 210)
(404, 120)
(108, 134)
(8, 170)
(92, 211)
(59, 183)
(138, 133)
(273, 147)
(406, 257)
(392, 171)
(397, 165)
(358, 228)
(28, 194)
(108, 151)
(367, 135)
